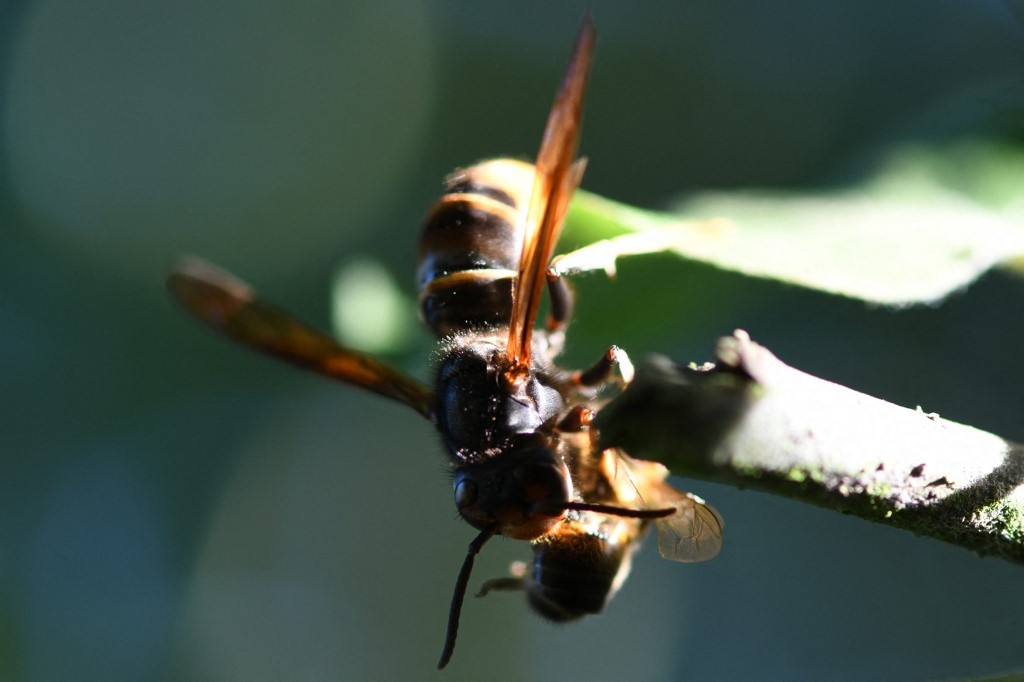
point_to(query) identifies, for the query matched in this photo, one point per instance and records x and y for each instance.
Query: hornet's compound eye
(469, 502)
(466, 493)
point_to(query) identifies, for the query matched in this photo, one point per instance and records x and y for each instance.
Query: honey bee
(515, 426)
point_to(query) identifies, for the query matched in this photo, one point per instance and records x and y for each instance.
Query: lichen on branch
(750, 420)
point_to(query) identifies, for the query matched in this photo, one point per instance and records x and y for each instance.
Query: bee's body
(578, 567)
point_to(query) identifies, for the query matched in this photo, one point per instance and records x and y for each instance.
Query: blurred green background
(172, 507)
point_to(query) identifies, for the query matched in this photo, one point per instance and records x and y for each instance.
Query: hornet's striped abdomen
(470, 248)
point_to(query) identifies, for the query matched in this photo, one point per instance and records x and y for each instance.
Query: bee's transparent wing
(693, 533)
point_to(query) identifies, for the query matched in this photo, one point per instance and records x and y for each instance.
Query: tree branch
(752, 421)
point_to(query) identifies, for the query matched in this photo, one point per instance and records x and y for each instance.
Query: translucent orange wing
(557, 176)
(229, 306)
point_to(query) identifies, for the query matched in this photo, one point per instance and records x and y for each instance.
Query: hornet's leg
(559, 312)
(602, 371)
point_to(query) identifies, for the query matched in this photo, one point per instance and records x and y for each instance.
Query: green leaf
(929, 224)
